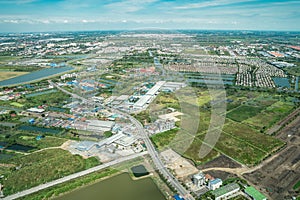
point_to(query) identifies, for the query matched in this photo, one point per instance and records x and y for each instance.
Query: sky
(78, 15)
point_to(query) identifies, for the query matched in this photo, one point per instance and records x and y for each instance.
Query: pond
(36, 75)
(120, 187)
(139, 171)
(281, 82)
(20, 147)
(39, 129)
(210, 82)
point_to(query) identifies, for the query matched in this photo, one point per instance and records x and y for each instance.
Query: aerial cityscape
(190, 100)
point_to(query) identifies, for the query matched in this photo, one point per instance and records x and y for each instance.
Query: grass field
(244, 112)
(16, 104)
(54, 99)
(43, 166)
(7, 75)
(28, 139)
(163, 139)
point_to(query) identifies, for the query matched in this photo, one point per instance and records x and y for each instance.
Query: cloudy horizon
(77, 15)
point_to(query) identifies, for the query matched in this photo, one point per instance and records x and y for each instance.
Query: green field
(41, 167)
(16, 104)
(244, 112)
(243, 138)
(163, 139)
(54, 99)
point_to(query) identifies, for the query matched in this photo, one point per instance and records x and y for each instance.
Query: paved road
(73, 176)
(157, 161)
(151, 149)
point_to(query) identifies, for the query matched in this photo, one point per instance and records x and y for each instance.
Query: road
(150, 147)
(73, 176)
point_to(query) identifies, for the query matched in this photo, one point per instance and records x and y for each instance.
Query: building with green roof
(226, 191)
(254, 194)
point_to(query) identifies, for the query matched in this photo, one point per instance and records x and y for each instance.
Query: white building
(215, 184)
(99, 125)
(199, 179)
(146, 99)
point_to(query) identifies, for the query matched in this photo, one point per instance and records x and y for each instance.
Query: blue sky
(64, 15)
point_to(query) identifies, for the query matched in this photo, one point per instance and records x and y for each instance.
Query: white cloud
(210, 4)
(16, 1)
(128, 5)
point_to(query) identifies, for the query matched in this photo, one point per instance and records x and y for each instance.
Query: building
(144, 100)
(226, 191)
(165, 125)
(215, 184)
(36, 110)
(85, 145)
(126, 140)
(111, 139)
(208, 177)
(99, 125)
(254, 194)
(172, 86)
(199, 179)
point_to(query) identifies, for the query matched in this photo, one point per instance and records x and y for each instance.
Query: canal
(120, 187)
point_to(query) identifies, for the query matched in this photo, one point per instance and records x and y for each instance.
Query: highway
(73, 176)
(150, 147)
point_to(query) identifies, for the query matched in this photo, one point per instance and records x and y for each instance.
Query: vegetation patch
(244, 112)
(163, 139)
(41, 167)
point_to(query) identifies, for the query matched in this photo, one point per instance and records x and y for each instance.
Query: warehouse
(99, 125)
(226, 191)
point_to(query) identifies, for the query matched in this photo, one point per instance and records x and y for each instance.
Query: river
(120, 187)
(36, 75)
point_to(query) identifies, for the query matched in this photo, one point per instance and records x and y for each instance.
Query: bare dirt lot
(221, 161)
(278, 176)
(221, 174)
(181, 166)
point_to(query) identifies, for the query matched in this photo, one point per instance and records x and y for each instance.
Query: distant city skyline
(78, 15)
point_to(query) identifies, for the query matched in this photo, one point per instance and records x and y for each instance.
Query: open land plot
(279, 175)
(239, 150)
(194, 149)
(251, 136)
(244, 112)
(221, 161)
(271, 114)
(175, 162)
(7, 75)
(40, 167)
